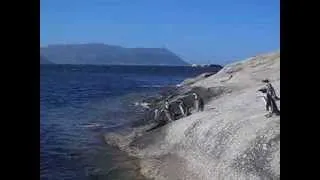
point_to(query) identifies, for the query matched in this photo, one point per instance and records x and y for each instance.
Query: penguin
(270, 89)
(182, 107)
(158, 117)
(159, 124)
(198, 102)
(167, 111)
(264, 97)
(271, 105)
(156, 114)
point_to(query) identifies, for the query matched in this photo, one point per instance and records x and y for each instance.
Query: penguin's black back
(201, 104)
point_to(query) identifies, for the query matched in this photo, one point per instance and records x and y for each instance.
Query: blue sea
(79, 103)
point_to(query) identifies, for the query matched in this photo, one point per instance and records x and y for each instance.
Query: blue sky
(199, 31)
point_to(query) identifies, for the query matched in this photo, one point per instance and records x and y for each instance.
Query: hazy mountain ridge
(109, 54)
(44, 60)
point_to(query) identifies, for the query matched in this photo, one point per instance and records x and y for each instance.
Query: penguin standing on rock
(198, 102)
(182, 107)
(156, 114)
(167, 111)
(270, 89)
(271, 105)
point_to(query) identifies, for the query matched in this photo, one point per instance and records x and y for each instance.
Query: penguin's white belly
(181, 109)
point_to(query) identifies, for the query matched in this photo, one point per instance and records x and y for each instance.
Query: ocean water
(79, 103)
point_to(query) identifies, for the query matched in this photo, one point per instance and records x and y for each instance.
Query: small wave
(151, 86)
(91, 125)
(142, 104)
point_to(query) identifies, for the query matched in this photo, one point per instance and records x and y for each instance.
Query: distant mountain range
(107, 54)
(44, 60)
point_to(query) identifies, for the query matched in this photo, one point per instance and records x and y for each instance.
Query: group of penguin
(184, 110)
(269, 97)
(169, 113)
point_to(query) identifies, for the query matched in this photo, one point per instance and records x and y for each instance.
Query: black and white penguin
(182, 107)
(270, 89)
(167, 111)
(198, 102)
(271, 105)
(156, 114)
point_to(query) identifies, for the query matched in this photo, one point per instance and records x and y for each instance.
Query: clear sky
(199, 31)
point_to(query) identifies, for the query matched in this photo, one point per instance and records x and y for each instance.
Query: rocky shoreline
(231, 139)
(122, 139)
(127, 139)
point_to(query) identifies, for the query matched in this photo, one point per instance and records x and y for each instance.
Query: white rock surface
(231, 139)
